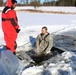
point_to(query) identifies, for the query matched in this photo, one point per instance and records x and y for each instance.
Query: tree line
(36, 3)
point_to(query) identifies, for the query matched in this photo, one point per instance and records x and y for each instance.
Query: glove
(18, 30)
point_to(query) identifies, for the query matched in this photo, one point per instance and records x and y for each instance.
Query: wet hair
(14, 1)
(45, 28)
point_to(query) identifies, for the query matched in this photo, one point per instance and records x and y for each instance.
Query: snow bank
(47, 8)
(60, 9)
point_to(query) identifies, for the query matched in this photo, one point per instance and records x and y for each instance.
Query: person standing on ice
(10, 25)
(44, 42)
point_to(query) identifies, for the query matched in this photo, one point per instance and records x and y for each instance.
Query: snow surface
(58, 24)
(47, 8)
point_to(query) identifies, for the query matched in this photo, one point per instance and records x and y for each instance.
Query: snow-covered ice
(61, 26)
(47, 8)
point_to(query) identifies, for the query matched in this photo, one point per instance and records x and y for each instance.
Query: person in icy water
(10, 25)
(44, 42)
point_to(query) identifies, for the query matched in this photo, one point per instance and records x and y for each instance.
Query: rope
(51, 33)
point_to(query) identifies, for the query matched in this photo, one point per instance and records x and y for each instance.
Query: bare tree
(1, 3)
(27, 2)
(35, 3)
(22, 1)
(66, 2)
